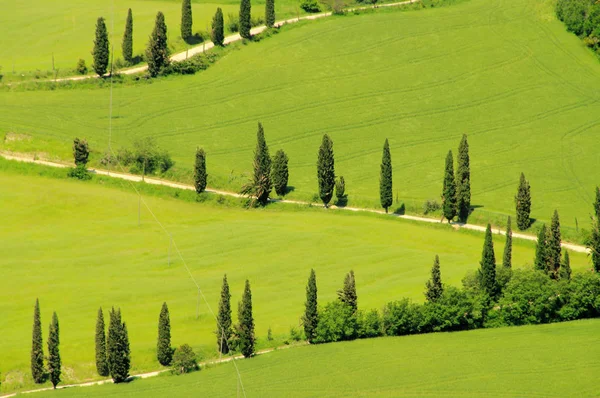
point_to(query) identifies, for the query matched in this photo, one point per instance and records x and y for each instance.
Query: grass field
(527, 96)
(77, 246)
(558, 360)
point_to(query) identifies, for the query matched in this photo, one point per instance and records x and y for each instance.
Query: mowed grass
(77, 246)
(505, 72)
(559, 360)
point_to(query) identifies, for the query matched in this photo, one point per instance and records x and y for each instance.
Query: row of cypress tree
(113, 355)
(53, 371)
(241, 335)
(456, 194)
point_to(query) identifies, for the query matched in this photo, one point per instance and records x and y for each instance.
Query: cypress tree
(311, 315)
(54, 365)
(261, 186)
(565, 268)
(270, 13)
(449, 193)
(81, 152)
(127, 45)
(594, 243)
(347, 294)
(37, 349)
(224, 330)
(101, 359)
(540, 262)
(118, 352)
(385, 178)
(463, 180)
(280, 173)
(488, 264)
(507, 257)
(157, 52)
(245, 24)
(553, 249)
(246, 323)
(326, 170)
(200, 175)
(164, 351)
(597, 203)
(523, 203)
(218, 29)
(340, 189)
(100, 51)
(186, 19)
(434, 287)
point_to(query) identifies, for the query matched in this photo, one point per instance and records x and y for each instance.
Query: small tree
(245, 16)
(326, 170)
(260, 187)
(101, 359)
(81, 152)
(100, 51)
(280, 173)
(200, 175)
(224, 330)
(565, 268)
(186, 19)
(340, 190)
(311, 315)
(386, 195)
(81, 68)
(184, 360)
(434, 287)
(157, 52)
(488, 264)
(463, 180)
(218, 29)
(449, 193)
(37, 348)
(270, 13)
(540, 251)
(523, 204)
(507, 257)
(347, 294)
(127, 45)
(594, 243)
(553, 249)
(118, 351)
(164, 352)
(54, 365)
(597, 203)
(246, 323)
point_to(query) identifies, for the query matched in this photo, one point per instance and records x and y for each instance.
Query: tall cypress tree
(218, 29)
(186, 19)
(100, 51)
(463, 180)
(118, 351)
(540, 261)
(164, 351)
(245, 16)
(270, 13)
(449, 193)
(37, 348)
(488, 264)
(127, 45)
(246, 323)
(157, 52)
(594, 243)
(101, 359)
(553, 249)
(311, 315)
(224, 322)
(326, 170)
(347, 294)
(200, 175)
(261, 186)
(54, 364)
(565, 267)
(385, 178)
(507, 257)
(280, 173)
(597, 203)
(523, 203)
(434, 287)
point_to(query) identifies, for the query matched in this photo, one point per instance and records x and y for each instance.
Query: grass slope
(77, 247)
(527, 96)
(558, 360)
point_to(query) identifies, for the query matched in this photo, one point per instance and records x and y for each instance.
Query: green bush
(184, 360)
(310, 6)
(431, 206)
(573, 13)
(81, 67)
(369, 324)
(295, 334)
(401, 317)
(581, 297)
(454, 310)
(337, 322)
(233, 23)
(80, 172)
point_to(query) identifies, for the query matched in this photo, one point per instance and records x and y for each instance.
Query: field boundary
(156, 181)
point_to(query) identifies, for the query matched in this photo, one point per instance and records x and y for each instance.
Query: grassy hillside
(558, 360)
(503, 71)
(77, 246)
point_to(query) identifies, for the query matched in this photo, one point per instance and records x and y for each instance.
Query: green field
(559, 360)
(77, 246)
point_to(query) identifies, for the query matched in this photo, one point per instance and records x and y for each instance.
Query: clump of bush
(581, 17)
(233, 23)
(81, 67)
(431, 206)
(184, 360)
(311, 6)
(146, 158)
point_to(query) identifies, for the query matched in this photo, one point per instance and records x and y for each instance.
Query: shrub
(233, 23)
(573, 14)
(369, 324)
(310, 6)
(81, 67)
(184, 360)
(295, 334)
(188, 66)
(80, 172)
(401, 317)
(336, 322)
(431, 206)
(581, 296)
(454, 310)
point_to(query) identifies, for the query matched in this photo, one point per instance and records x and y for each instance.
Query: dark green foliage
(507, 256)
(245, 19)
(148, 158)
(368, 324)
(260, 187)
(191, 65)
(270, 13)
(184, 360)
(157, 52)
(218, 30)
(580, 297)
(310, 6)
(101, 358)
(434, 287)
(401, 317)
(200, 175)
(386, 195)
(37, 349)
(340, 189)
(100, 51)
(127, 45)
(347, 294)
(541, 257)
(553, 250)
(454, 310)
(164, 351)
(186, 19)
(54, 364)
(523, 204)
(337, 322)
(326, 170)
(463, 180)
(224, 330)
(565, 267)
(594, 244)
(573, 14)
(503, 276)
(118, 352)
(597, 203)
(81, 151)
(280, 173)
(246, 323)
(449, 192)
(488, 264)
(80, 172)
(81, 68)
(311, 315)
